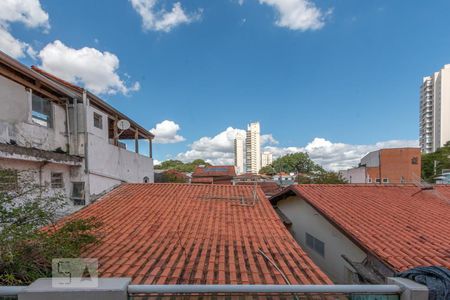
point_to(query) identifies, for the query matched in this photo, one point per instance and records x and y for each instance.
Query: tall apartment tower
(266, 159)
(435, 110)
(239, 153)
(253, 148)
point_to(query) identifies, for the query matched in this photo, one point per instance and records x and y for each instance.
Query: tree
(440, 158)
(178, 165)
(306, 169)
(267, 170)
(172, 176)
(297, 162)
(29, 236)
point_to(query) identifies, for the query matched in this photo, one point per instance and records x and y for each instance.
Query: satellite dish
(123, 124)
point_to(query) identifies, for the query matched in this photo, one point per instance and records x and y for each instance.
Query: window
(98, 121)
(378, 180)
(57, 181)
(78, 193)
(9, 180)
(369, 180)
(41, 111)
(415, 160)
(385, 180)
(146, 179)
(315, 244)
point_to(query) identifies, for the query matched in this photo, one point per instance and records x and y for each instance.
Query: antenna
(122, 125)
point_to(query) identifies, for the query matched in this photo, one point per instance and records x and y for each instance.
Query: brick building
(397, 165)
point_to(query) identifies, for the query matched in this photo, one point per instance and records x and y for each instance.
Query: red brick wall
(398, 163)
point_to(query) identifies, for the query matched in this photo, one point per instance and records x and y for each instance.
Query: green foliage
(442, 158)
(170, 176)
(298, 163)
(29, 238)
(267, 170)
(308, 171)
(180, 166)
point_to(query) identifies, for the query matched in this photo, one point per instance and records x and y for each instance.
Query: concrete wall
(355, 175)
(40, 173)
(110, 165)
(371, 159)
(16, 122)
(306, 219)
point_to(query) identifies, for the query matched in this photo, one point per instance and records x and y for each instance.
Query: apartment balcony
(121, 289)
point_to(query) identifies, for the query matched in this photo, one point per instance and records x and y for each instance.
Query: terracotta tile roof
(202, 180)
(403, 225)
(269, 188)
(181, 234)
(214, 171)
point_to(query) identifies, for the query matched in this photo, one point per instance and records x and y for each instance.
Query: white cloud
(219, 150)
(268, 139)
(297, 14)
(29, 13)
(162, 20)
(166, 132)
(338, 156)
(96, 70)
(216, 150)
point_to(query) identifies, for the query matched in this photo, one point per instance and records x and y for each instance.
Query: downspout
(86, 146)
(68, 127)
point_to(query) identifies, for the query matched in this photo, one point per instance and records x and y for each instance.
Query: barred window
(9, 180)
(57, 180)
(98, 121)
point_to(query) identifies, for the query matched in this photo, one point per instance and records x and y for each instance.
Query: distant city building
(239, 143)
(266, 159)
(435, 110)
(398, 165)
(253, 148)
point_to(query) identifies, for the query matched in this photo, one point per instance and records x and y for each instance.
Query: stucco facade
(49, 129)
(305, 219)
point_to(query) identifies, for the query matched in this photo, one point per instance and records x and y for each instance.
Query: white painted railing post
(411, 290)
(107, 289)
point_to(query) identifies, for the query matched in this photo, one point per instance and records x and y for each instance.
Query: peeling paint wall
(16, 123)
(70, 174)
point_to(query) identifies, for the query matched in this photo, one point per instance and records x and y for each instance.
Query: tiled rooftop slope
(402, 225)
(180, 234)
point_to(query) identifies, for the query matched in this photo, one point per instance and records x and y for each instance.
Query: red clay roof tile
(190, 234)
(402, 225)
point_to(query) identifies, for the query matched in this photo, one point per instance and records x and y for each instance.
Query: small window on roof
(41, 111)
(315, 244)
(98, 121)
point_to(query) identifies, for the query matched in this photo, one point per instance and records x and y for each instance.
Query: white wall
(354, 175)
(31, 172)
(444, 106)
(306, 219)
(113, 164)
(16, 123)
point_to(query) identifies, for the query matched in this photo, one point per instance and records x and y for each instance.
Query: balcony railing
(118, 288)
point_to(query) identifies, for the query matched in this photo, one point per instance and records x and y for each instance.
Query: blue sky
(333, 78)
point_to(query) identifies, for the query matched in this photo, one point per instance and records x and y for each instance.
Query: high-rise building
(239, 153)
(266, 159)
(435, 110)
(253, 148)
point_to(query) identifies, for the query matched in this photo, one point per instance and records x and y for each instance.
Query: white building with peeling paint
(67, 136)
